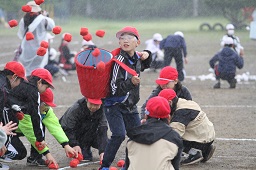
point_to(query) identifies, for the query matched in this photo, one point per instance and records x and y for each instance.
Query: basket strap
(125, 67)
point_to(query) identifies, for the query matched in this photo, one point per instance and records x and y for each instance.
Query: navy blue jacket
(174, 41)
(228, 61)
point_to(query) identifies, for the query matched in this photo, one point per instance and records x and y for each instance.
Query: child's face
(128, 43)
(14, 80)
(93, 107)
(169, 85)
(42, 87)
(43, 107)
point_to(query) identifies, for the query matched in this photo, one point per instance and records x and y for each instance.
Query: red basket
(94, 80)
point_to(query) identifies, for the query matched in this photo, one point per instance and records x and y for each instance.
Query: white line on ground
(82, 164)
(235, 139)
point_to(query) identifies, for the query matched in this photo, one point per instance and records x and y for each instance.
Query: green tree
(232, 9)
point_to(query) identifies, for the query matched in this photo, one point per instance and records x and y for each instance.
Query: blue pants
(120, 120)
(175, 53)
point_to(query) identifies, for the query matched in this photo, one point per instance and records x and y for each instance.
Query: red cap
(167, 74)
(95, 101)
(17, 68)
(128, 29)
(169, 94)
(43, 74)
(158, 107)
(47, 97)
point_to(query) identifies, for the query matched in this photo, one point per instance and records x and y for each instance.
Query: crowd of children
(164, 136)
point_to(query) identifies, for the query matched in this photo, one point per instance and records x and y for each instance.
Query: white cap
(35, 7)
(157, 37)
(230, 27)
(179, 33)
(85, 43)
(228, 40)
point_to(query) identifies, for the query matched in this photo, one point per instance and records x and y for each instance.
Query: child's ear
(138, 42)
(39, 81)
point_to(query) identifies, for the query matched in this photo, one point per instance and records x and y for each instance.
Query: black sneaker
(232, 83)
(35, 162)
(217, 85)
(87, 154)
(194, 156)
(210, 153)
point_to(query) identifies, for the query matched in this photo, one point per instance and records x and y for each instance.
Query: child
(168, 79)
(27, 96)
(86, 126)
(225, 62)
(154, 145)
(52, 65)
(11, 77)
(66, 59)
(175, 47)
(231, 33)
(120, 105)
(194, 127)
(37, 24)
(157, 55)
(51, 122)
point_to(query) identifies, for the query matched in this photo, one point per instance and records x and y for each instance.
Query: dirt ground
(233, 111)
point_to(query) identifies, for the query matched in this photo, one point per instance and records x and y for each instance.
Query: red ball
(38, 2)
(44, 44)
(80, 157)
(84, 31)
(41, 51)
(73, 163)
(13, 23)
(100, 33)
(38, 145)
(96, 52)
(53, 166)
(29, 36)
(70, 155)
(67, 37)
(26, 8)
(120, 163)
(56, 30)
(87, 37)
(112, 168)
(101, 66)
(20, 115)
